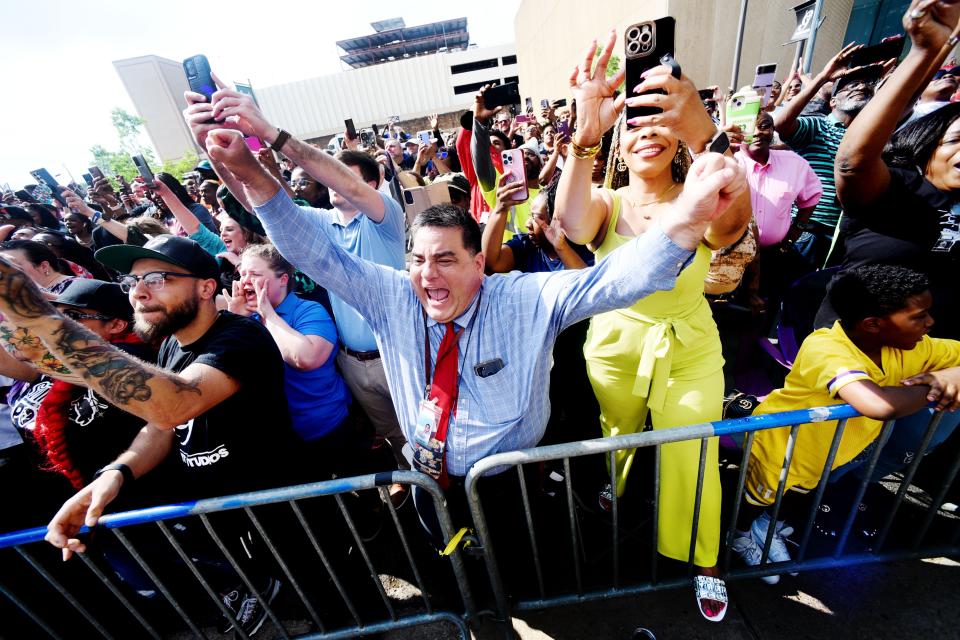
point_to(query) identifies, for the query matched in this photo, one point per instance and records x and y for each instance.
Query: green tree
(181, 166)
(129, 128)
(113, 163)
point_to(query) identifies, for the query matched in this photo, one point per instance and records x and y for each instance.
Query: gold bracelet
(585, 153)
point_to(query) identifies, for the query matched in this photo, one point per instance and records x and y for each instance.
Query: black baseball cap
(182, 252)
(107, 298)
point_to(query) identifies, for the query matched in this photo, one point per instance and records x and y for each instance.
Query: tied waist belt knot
(656, 356)
(362, 356)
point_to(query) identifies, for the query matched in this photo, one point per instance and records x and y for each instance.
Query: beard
(852, 106)
(171, 322)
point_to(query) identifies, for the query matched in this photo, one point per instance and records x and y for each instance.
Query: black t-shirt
(900, 228)
(246, 442)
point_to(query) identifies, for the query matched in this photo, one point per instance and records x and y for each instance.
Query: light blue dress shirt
(509, 409)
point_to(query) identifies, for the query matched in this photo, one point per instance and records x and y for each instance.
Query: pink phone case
(513, 160)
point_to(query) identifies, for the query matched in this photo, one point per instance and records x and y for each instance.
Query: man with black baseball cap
(228, 442)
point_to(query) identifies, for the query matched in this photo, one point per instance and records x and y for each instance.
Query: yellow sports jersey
(519, 213)
(827, 362)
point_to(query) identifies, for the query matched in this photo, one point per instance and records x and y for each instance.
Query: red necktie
(443, 389)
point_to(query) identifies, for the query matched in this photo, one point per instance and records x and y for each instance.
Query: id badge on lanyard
(428, 450)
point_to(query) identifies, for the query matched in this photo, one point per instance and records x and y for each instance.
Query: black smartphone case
(197, 70)
(502, 95)
(642, 55)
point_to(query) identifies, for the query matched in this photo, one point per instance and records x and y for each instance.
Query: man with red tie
(492, 396)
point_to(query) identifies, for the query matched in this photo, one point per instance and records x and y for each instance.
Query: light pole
(734, 74)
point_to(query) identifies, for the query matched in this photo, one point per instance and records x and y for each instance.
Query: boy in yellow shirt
(878, 358)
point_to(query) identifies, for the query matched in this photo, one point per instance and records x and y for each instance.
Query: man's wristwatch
(719, 143)
(116, 466)
(282, 137)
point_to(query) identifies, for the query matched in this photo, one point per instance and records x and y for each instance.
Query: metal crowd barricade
(79, 595)
(489, 545)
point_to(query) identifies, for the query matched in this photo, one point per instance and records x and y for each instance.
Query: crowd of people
(291, 314)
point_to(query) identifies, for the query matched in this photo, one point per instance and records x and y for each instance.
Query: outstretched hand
(597, 109)
(84, 508)
(944, 387)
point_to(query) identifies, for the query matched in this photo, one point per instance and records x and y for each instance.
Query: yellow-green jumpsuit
(663, 355)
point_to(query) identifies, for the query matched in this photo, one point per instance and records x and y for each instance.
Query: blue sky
(55, 58)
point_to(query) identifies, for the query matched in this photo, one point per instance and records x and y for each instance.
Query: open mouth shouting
(437, 297)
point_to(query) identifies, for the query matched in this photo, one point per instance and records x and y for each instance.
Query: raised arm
(184, 216)
(300, 234)
(240, 110)
(237, 110)
(861, 174)
(785, 120)
(76, 203)
(582, 210)
(499, 257)
(480, 141)
(651, 261)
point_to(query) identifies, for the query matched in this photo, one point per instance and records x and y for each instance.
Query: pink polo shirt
(774, 187)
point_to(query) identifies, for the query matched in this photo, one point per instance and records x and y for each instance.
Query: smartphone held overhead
(199, 77)
(647, 45)
(502, 95)
(763, 82)
(44, 177)
(513, 162)
(144, 169)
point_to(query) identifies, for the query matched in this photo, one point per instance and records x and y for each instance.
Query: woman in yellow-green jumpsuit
(662, 355)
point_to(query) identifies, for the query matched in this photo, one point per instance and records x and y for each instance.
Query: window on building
(509, 60)
(512, 79)
(474, 66)
(473, 87)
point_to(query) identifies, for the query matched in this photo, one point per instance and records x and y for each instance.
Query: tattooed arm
(160, 397)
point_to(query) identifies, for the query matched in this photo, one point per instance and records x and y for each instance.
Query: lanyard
(427, 363)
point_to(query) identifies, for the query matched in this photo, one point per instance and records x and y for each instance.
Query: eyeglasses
(154, 280)
(302, 183)
(73, 314)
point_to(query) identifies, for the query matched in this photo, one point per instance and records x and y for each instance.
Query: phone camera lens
(645, 37)
(633, 33)
(633, 47)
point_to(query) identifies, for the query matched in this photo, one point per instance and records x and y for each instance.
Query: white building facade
(410, 88)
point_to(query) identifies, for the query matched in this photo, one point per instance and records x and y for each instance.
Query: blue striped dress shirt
(518, 321)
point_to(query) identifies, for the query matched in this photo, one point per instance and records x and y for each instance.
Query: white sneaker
(747, 548)
(778, 548)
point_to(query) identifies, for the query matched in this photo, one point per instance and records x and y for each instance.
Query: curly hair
(874, 291)
(617, 177)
